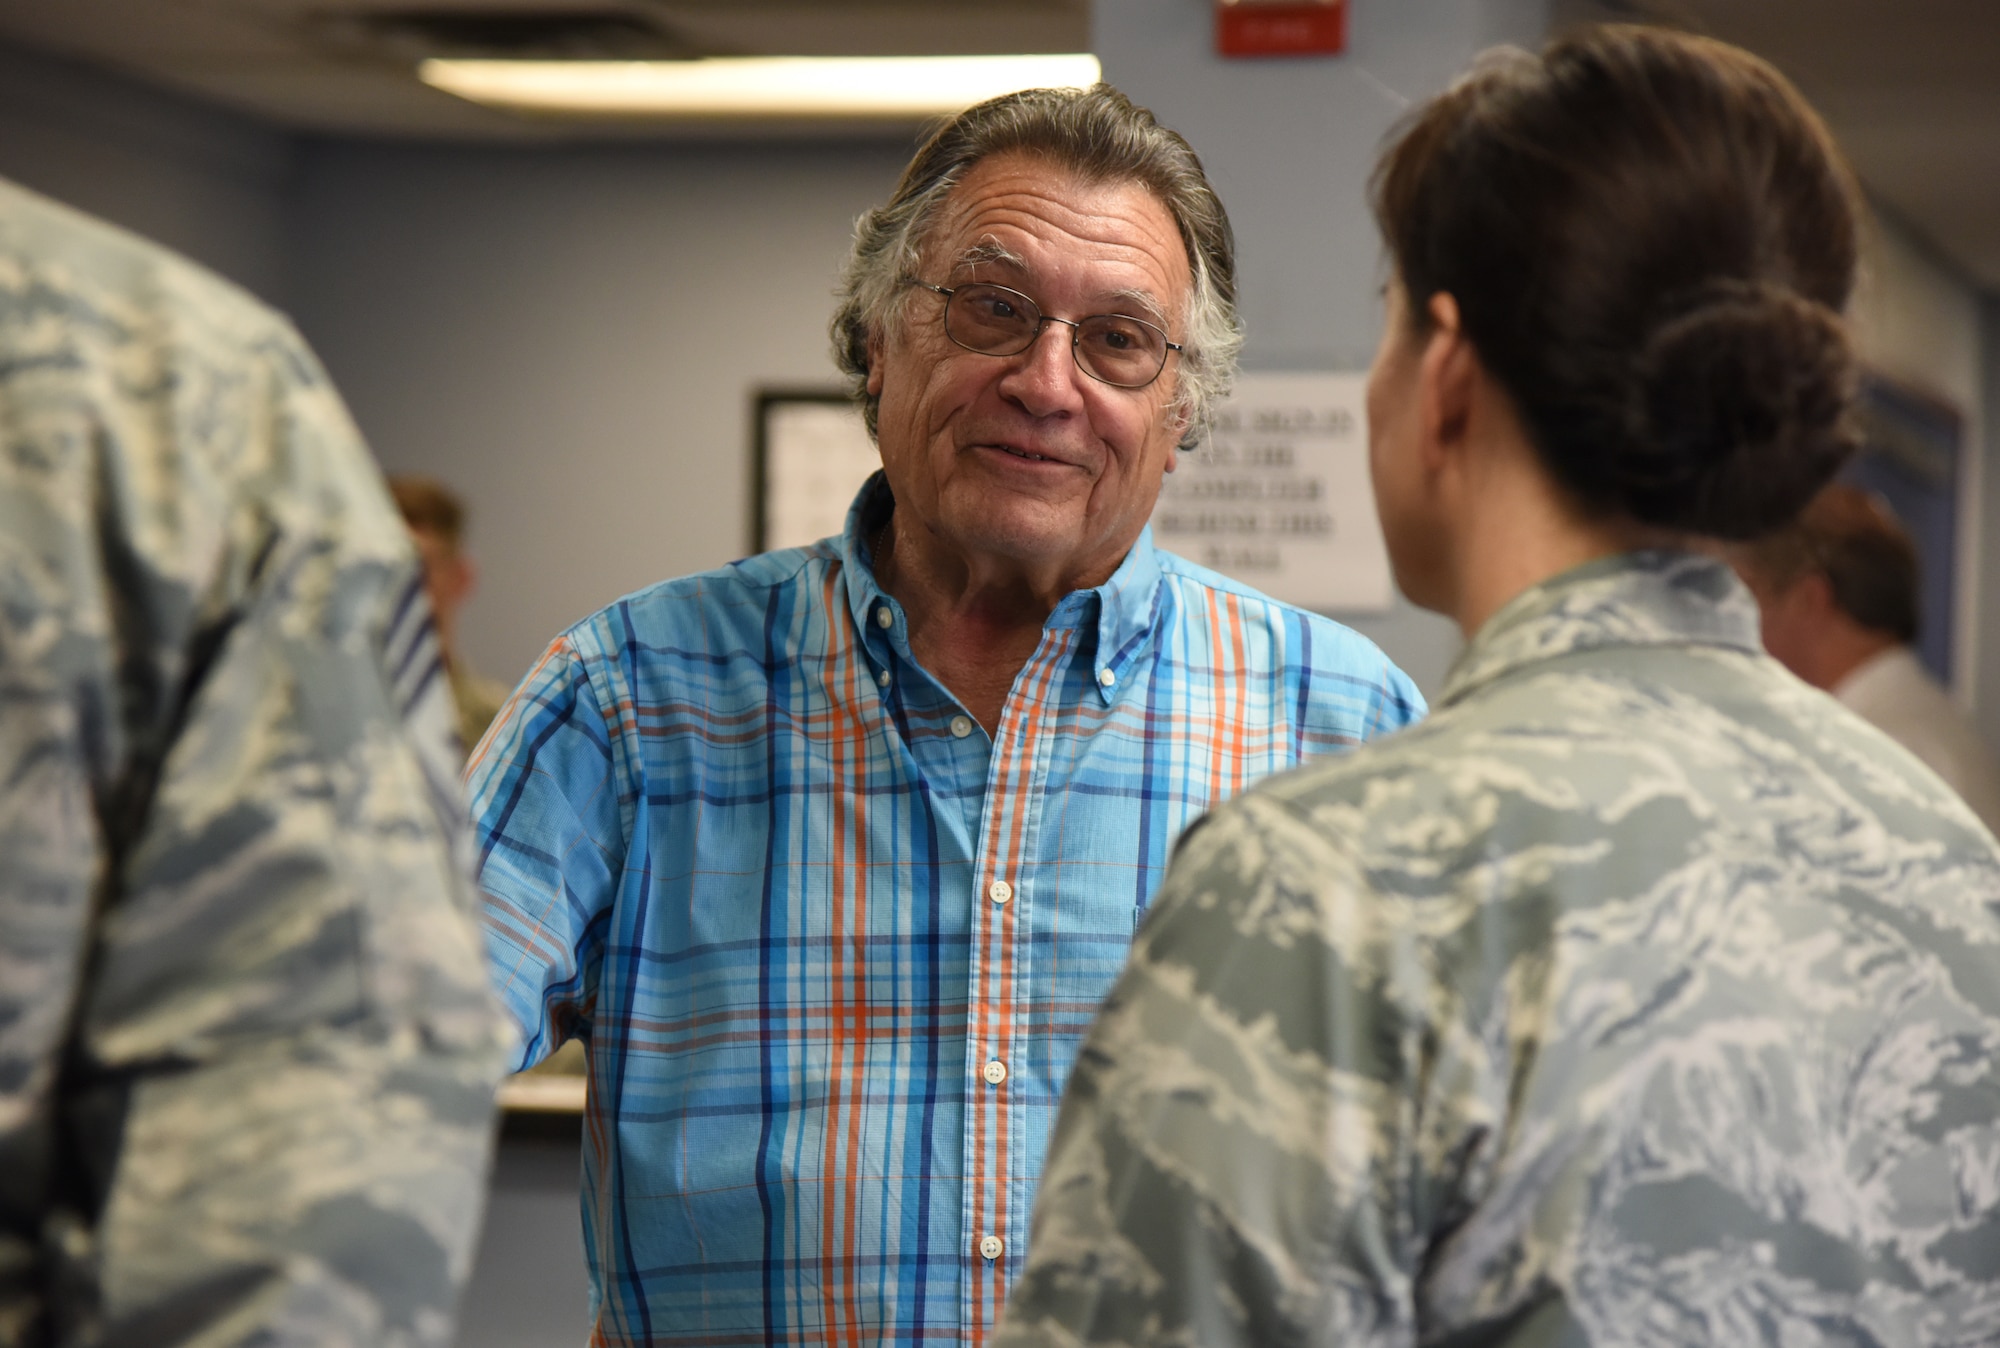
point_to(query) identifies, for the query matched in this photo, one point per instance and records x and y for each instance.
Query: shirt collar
(1886, 667)
(1652, 598)
(1120, 613)
(867, 514)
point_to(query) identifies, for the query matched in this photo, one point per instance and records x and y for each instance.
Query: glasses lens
(991, 319)
(1121, 350)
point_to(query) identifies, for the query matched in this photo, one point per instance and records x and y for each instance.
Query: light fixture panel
(883, 87)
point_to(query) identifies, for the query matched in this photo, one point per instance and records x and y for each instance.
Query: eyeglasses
(1114, 349)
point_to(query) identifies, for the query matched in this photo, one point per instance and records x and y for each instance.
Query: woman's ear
(1448, 380)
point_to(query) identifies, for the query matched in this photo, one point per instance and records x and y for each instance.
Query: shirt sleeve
(1237, 1158)
(549, 835)
(1400, 702)
(277, 1124)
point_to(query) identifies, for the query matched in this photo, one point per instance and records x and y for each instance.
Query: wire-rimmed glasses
(1115, 349)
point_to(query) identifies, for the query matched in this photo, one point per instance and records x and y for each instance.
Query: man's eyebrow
(1142, 300)
(993, 252)
(988, 251)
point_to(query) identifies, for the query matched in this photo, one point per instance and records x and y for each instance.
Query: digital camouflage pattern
(246, 1049)
(1641, 996)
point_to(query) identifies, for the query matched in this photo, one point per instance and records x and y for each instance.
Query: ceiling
(1912, 87)
(345, 66)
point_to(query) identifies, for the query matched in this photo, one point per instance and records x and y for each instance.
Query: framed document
(811, 455)
(1279, 496)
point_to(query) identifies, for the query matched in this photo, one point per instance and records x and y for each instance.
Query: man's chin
(1028, 533)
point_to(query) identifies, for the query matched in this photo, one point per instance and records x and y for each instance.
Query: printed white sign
(1279, 497)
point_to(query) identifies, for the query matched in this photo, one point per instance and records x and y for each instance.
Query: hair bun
(1742, 411)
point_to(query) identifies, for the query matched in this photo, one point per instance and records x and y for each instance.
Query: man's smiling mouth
(1029, 455)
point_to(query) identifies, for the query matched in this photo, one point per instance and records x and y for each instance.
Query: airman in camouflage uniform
(246, 1049)
(1641, 996)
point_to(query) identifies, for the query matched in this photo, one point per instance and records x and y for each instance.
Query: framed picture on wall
(811, 454)
(1910, 457)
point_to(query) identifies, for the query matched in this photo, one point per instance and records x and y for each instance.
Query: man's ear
(874, 350)
(1811, 596)
(1178, 421)
(1448, 381)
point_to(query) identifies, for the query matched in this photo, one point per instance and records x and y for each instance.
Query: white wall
(207, 183)
(571, 338)
(1289, 143)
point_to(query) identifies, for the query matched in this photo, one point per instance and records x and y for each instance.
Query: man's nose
(1045, 377)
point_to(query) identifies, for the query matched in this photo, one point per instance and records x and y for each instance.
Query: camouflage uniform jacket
(1641, 996)
(246, 1047)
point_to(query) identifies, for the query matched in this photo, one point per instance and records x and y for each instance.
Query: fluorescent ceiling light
(758, 86)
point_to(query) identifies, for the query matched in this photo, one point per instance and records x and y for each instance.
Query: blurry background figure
(436, 518)
(1839, 593)
(247, 1055)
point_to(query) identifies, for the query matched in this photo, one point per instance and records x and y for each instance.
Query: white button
(999, 891)
(961, 726)
(884, 618)
(882, 679)
(995, 1073)
(992, 1247)
(1107, 676)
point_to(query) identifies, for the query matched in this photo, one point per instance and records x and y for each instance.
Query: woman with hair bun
(1642, 995)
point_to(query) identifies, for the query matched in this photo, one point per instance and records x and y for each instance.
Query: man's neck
(1844, 647)
(972, 624)
(447, 641)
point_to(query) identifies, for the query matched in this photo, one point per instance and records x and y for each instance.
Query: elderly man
(1840, 596)
(830, 854)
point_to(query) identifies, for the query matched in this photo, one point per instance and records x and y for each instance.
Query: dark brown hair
(1649, 237)
(430, 506)
(1861, 548)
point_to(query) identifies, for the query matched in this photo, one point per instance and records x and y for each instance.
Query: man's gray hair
(1101, 136)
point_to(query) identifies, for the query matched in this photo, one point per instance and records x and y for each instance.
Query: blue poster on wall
(1910, 457)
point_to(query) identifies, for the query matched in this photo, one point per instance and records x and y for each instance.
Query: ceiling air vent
(512, 34)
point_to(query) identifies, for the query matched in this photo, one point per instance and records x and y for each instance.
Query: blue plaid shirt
(833, 948)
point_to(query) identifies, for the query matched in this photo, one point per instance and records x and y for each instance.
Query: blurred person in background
(436, 517)
(247, 1046)
(1840, 593)
(828, 855)
(1641, 995)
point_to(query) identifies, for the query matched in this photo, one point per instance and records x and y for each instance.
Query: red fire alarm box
(1281, 27)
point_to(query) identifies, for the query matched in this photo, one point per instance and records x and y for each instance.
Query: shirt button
(961, 726)
(1107, 676)
(995, 1073)
(884, 618)
(999, 891)
(882, 679)
(992, 1247)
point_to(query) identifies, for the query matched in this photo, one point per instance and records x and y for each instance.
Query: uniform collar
(1119, 614)
(1653, 598)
